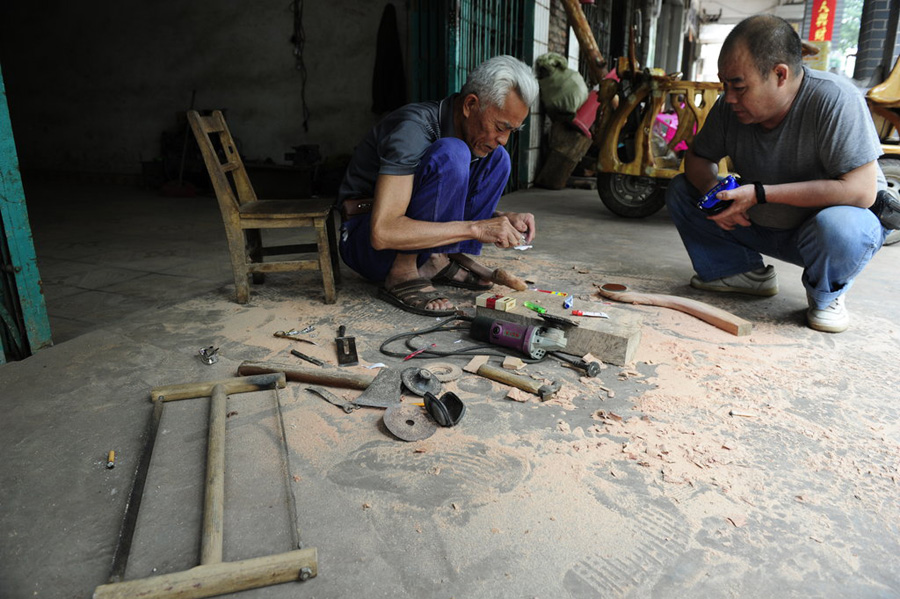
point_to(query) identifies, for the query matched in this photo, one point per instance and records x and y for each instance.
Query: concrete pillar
(876, 53)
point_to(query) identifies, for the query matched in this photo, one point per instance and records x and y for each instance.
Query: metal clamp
(208, 355)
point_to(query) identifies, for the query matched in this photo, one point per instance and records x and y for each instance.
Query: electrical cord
(426, 353)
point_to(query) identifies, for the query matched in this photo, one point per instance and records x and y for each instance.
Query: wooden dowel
(212, 539)
(232, 385)
(217, 579)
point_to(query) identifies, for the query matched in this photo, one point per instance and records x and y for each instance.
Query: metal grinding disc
(420, 381)
(445, 371)
(409, 423)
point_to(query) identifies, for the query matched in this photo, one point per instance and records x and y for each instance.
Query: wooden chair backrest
(887, 93)
(226, 170)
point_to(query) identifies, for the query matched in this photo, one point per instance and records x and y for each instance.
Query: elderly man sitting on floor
(424, 184)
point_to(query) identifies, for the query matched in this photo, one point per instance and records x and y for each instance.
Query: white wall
(92, 86)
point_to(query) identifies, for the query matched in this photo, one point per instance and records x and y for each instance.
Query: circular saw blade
(409, 423)
(420, 381)
(445, 372)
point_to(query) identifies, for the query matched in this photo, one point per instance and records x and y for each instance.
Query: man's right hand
(742, 199)
(499, 231)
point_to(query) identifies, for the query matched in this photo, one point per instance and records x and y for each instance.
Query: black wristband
(760, 192)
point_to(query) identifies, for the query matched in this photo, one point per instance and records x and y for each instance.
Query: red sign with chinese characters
(822, 24)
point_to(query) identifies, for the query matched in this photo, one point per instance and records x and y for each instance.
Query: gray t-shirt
(395, 145)
(827, 132)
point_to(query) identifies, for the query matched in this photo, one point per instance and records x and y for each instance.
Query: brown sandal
(409, 296)
(445, 277)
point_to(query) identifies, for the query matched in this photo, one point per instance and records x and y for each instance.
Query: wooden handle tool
(524, 383)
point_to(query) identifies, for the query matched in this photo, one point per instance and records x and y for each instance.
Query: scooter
(884, 104)
(637, 151)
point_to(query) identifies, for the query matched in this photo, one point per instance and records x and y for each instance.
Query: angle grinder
(533, 341)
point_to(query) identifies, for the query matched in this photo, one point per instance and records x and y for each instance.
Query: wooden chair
(245, 215)
(884, 102)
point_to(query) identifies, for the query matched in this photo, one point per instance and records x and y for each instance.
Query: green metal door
(451, 37)
(24, 326)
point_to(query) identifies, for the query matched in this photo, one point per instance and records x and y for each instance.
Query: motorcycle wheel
(891, 169)
(630, 196)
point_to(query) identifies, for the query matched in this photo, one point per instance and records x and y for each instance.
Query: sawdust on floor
(712, 415)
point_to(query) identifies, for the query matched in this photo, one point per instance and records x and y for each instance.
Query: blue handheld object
(567, 303)
(713, 205)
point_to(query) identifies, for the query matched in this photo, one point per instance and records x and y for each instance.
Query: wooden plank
(614, 340)
(18, 237)
(283, 266)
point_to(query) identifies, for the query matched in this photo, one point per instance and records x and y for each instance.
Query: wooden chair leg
(237, 250)
(322, 240)
(333, 248)
(255, 253)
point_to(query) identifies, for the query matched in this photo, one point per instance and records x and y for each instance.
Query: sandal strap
(411, 292)
(471, 276)
(448, 272)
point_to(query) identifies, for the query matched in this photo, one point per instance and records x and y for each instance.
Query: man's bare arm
(856, 188)
(702, 173)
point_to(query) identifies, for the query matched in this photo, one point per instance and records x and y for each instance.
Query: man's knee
(839, 222)
(448, 155)
(499, 161)
(680, 194)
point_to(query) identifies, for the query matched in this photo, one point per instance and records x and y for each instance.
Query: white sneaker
(833, 319)
(892, 237)
(762, 281)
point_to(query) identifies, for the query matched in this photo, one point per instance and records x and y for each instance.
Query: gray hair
(770, 40)
(493, 79)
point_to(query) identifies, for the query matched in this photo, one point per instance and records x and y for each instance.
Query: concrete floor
(655, 491)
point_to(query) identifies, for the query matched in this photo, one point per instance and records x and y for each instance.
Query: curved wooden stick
(714, 316)
(499, 276)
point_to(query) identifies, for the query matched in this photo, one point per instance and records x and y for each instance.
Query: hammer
(504, 376)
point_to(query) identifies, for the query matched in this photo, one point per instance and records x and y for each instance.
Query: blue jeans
(832, 246)
(447, 186)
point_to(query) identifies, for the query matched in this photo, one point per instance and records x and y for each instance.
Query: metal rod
(286, 461)
(129, 522)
